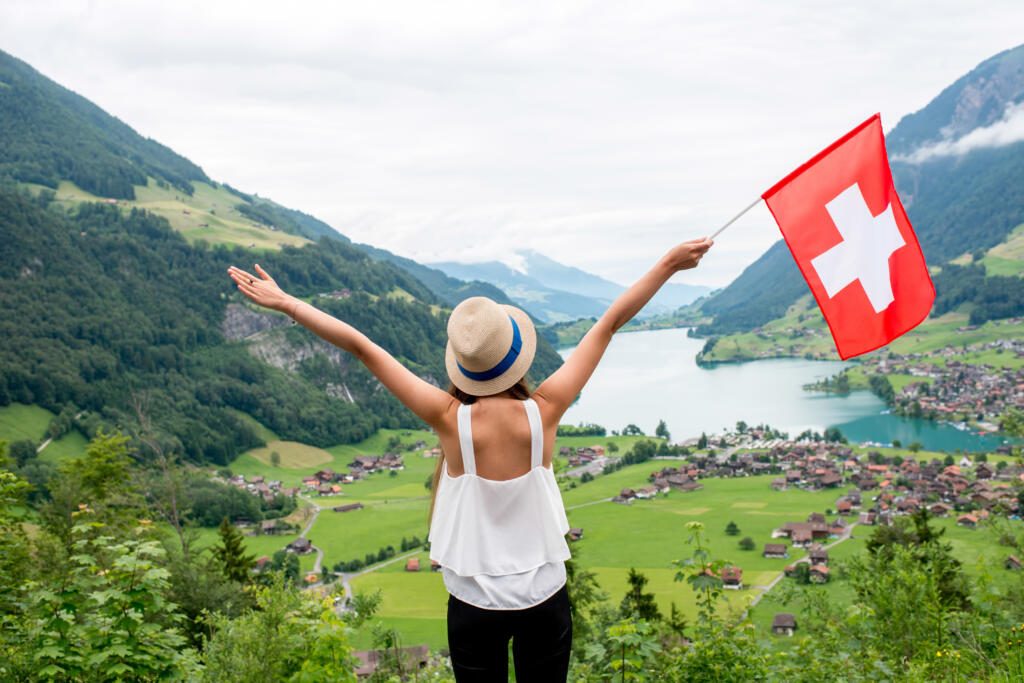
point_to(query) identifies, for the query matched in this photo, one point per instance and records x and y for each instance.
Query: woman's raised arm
(559, 390)
(422, 398)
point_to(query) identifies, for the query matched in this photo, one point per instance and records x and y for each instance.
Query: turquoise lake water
(647, 376)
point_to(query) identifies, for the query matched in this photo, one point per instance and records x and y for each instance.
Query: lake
(653, 375)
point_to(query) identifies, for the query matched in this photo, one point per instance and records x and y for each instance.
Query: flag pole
(736, 218)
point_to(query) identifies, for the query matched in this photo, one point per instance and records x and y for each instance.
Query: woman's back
(498, 526)
(501, 439)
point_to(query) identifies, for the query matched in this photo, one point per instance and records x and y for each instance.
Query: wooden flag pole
(736, 217)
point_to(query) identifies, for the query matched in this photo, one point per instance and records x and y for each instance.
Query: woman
(497, 520)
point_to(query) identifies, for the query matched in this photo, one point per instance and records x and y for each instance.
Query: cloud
(596, 133)
(1006, 131)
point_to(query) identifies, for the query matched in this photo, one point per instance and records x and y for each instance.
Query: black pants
(541, 641)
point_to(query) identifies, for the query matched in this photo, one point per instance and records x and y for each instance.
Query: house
(312, 577)
(939, 509)
(818, 574)
(268, 526)
(575, 533)
(347, 508)
(818, 555)
(413, 658)
(969, 521)
(732, 578)
(300, 546)
(412, 564)
(627, 494)
(783, 624)
(1012, 562)
(775, 550)
(867, 518)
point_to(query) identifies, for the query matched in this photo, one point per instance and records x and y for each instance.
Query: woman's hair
(521, 391)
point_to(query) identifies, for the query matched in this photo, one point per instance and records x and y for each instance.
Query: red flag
(851, 239)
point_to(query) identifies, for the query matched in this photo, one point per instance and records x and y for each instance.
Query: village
(951, 387)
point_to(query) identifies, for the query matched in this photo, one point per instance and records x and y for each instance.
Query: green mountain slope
(957, 203)
(116, 301)
(50, 134)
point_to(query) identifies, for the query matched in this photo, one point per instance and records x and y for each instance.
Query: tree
(632, 430)
(661, 431)
(741, 427)
(747, 543)
(702, 442)
(731, 529)
(636, 602)
(915, 447)
(275, 459)
(108, 618)
(235, 564)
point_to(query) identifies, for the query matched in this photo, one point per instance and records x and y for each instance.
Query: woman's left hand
(261, 289)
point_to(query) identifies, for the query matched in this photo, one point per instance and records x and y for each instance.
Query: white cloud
(1006, 131)
(596, 133)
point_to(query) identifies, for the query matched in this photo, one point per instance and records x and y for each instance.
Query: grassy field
(416, 603)
(208, 214)
(1006, 258)
(977, 549)
(19, 422)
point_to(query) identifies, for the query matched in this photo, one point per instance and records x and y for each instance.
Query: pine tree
(661, 430)
(235, 564)
(732, 529)
(638, 602)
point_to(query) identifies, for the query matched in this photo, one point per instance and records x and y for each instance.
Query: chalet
(575, 533)
(984, 471)
(818, 573)
(300, 546)
(732, 578)
(783, 624)
(829, 480)
(969, 521)
(844, 506)
(818, 555)
(310, 482)
(364, 462)
(646, 493)
(691, 485)
(413, 658)
(779, 484)
(866, 518)
(326, 475)
(268, 526)
(775, 550)
(257, 479)
(324, 490)
(412, 564)
(816, 517)
(1012, 562)
(348, 507)
(626, 494)
(939, 509)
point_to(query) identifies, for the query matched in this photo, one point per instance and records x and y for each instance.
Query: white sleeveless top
(500, 544)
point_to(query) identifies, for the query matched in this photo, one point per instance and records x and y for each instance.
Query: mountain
(555, 292)
(117, 309)
(958, 165)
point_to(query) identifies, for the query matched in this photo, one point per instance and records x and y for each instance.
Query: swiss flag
(851, 239)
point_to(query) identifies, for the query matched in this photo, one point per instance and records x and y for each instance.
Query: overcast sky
(596, 134)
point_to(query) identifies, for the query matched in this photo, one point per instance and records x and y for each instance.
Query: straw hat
(490, 346)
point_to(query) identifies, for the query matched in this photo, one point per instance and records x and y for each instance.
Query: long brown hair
(520, 391)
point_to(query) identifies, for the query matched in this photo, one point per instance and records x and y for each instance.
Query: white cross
(868, 242)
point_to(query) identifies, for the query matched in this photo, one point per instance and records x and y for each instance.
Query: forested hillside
(963, 203)
(49, 133)
(99, 304)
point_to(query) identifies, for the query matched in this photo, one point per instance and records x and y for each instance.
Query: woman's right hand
(261, 289)
(688, 254)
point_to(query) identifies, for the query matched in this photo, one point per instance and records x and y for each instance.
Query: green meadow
(21, 422)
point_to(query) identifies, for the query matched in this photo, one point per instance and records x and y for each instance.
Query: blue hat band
(504, 364)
